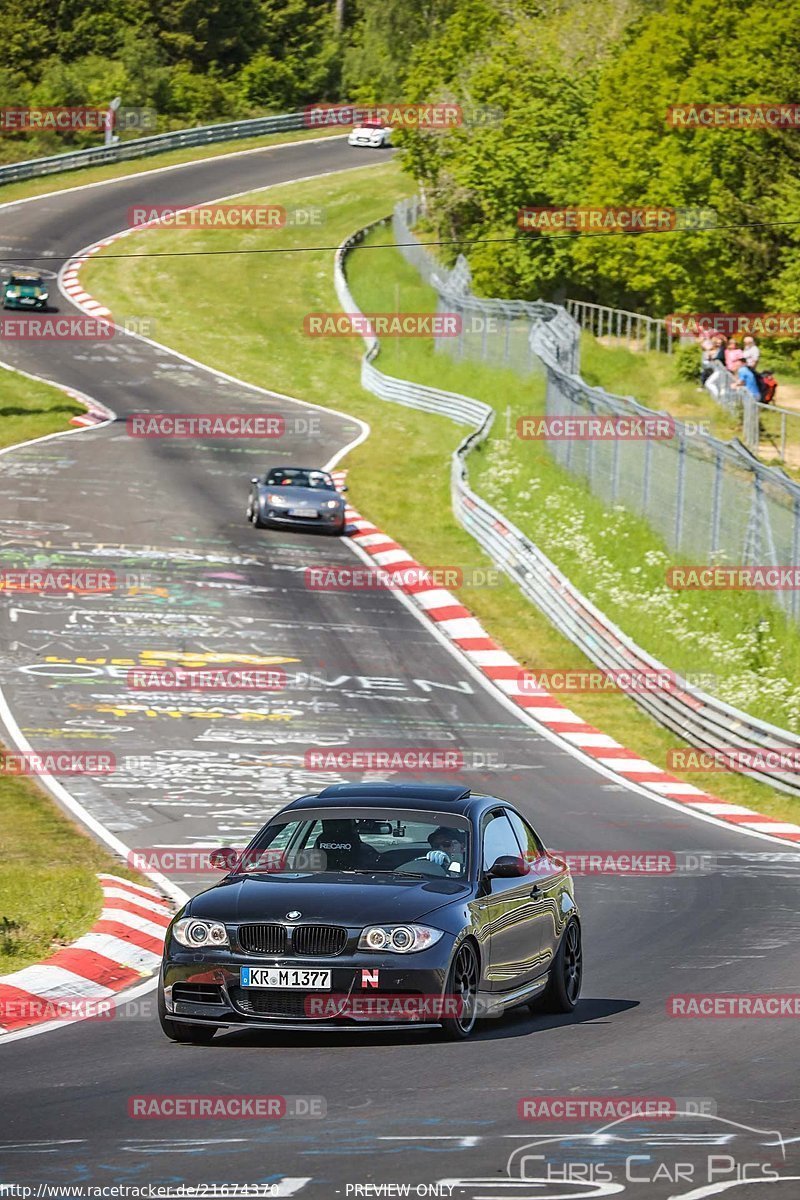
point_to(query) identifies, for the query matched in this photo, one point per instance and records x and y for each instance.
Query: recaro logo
(335, 846)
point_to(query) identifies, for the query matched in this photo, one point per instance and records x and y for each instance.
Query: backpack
(767, 385)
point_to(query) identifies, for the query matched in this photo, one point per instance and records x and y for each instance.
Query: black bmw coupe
(376, 905)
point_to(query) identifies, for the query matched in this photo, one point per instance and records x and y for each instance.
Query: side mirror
(254, 480)
(507, 866)
(344, 488)
(224, 859)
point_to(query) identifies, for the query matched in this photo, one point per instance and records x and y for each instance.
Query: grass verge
(264, 343)
(49, 893)
(30, 409)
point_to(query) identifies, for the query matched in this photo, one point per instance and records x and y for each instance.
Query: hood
(303, 495)
(329, 899)
(27, 289)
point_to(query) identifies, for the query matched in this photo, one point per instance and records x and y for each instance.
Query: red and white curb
(96, 413)
(122, 948)
(71, 285)
(497, 665)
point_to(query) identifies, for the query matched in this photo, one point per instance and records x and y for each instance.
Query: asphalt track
(167, 517)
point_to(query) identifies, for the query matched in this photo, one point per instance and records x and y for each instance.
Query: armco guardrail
(202, 135)
(693, 715)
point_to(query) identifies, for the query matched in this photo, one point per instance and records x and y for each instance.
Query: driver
(446, 846)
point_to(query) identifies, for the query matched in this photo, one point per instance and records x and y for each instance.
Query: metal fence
(635, 329)
(765, 427)
(690, 713)
(711, 501)
(202, 135)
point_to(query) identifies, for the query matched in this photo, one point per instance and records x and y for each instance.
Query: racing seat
(343, 848)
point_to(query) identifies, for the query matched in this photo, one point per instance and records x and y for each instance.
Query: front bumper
(332, 520)
(25, 304)
(207, 990)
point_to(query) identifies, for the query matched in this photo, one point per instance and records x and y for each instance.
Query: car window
(383, 841)
(532, 846)
(299, 477)
(498, 839)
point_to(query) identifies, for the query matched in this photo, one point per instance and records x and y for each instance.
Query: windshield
(300, 477)
(24, 281)
(381, 841)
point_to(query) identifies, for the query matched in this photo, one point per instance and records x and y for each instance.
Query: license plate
(291, 978)
(302, 512)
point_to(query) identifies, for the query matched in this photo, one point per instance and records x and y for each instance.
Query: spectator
(707, 360)
(733, 357)
(715, 357)
(746, 379)
(751, 352)
(720, 343)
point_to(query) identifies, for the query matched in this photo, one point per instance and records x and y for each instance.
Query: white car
(370, 135)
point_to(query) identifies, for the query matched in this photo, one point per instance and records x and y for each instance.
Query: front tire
(566, 973)
(253, 517)
(462, 985)
(179, 1031)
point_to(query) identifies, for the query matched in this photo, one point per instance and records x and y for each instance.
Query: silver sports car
(296, 496)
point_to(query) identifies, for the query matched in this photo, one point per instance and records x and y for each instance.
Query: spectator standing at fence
(746, 379)
(707, 361)
(751, 352)
(733, 356)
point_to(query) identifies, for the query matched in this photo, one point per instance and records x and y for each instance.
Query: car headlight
(331, 503)
(398, 939)
(192, 932)
(12, 295)
(43, 295)
(277, 501)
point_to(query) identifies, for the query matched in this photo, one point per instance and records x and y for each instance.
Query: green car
(24, 291)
